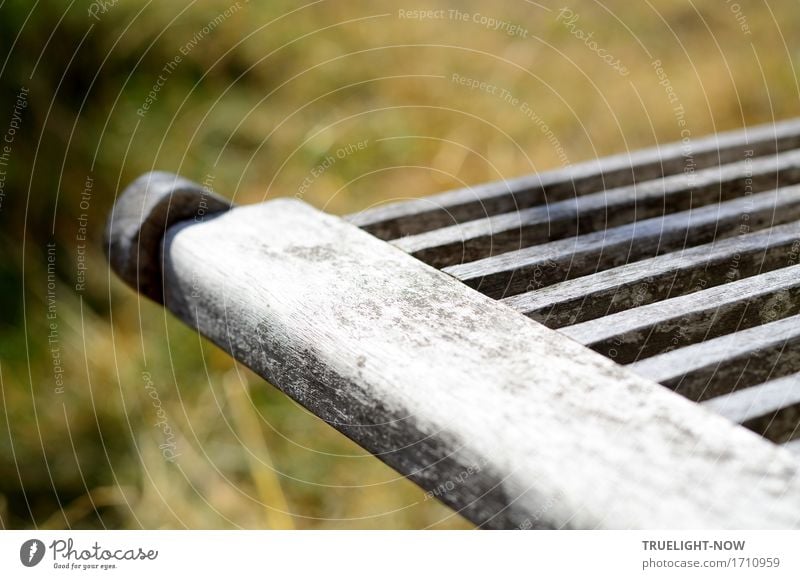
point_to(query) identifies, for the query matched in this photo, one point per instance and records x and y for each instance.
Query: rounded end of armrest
(139, 220)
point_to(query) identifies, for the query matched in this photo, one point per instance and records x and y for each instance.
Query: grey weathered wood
(793, 445)
(669, 324)
(722, 365)
(514, 424)
(481, 238)
(772, 409)
(141, 216)
(668, 275)
(395, 220)
(535, 267)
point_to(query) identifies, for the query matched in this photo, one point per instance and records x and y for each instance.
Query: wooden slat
(395, 220)
(509, 422)
(668, 275)
(771, 409)
(536, 267)
(728, 363)
(584, 214)
(662, 326)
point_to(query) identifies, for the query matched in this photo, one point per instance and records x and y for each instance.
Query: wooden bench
(615, 344)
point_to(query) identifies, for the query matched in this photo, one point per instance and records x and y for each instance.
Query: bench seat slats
(669, 275)
(395, 220)
(534, 267)
(690, 277)
(598, 211)
(637, 260)
(728, 363)
(663, 326)
(771, 409)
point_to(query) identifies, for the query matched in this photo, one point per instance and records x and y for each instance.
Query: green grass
(263, 98)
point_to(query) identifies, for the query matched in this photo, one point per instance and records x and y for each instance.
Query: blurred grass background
(264, 96)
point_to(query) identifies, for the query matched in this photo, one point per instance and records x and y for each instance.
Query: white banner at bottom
(354, 554)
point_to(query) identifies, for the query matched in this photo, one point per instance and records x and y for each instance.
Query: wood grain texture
(793, 445)
(662, 326)
(394, 220)
(536, 267)
(140, 218)
(438, 380)
(771, 409)
(728, 363)
(668, 275)
(498, 234)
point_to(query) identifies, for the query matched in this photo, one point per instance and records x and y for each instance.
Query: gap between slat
(670, 275)
(662, 326)
(728, 363)
(771, 409)
(395, 220)
(598, 211)
(536, 267)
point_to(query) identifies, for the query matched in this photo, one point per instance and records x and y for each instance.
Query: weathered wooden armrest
(140, 219)
(510, 422)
